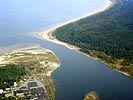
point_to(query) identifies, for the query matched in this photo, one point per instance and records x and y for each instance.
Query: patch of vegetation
(9, 74)
(108, 34)
(9, 98)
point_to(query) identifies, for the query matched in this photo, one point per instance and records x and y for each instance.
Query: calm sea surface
(20, 20)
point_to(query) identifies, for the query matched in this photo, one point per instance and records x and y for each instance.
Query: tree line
(110, 32)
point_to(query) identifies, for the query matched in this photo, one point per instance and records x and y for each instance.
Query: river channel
(78, 74)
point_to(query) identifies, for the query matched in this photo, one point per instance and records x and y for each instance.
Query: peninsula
(29, 64)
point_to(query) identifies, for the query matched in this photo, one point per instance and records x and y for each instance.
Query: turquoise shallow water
(20, 20)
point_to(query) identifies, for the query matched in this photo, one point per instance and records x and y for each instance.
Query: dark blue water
(78, 74)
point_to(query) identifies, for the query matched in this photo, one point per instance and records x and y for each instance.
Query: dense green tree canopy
(9, 74)
(110, 32)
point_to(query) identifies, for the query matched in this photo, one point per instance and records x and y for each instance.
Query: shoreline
(48, 35)
(91, 96)
(31, 48)
(37, 62)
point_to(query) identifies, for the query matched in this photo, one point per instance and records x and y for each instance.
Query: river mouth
(77, 74)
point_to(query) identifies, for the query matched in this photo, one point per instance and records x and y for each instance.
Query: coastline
(30, 48)
(48, 35)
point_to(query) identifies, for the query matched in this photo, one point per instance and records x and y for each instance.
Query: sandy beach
(47, 35)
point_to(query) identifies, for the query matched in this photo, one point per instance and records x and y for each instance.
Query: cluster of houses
(32, 90)
(7, 92)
